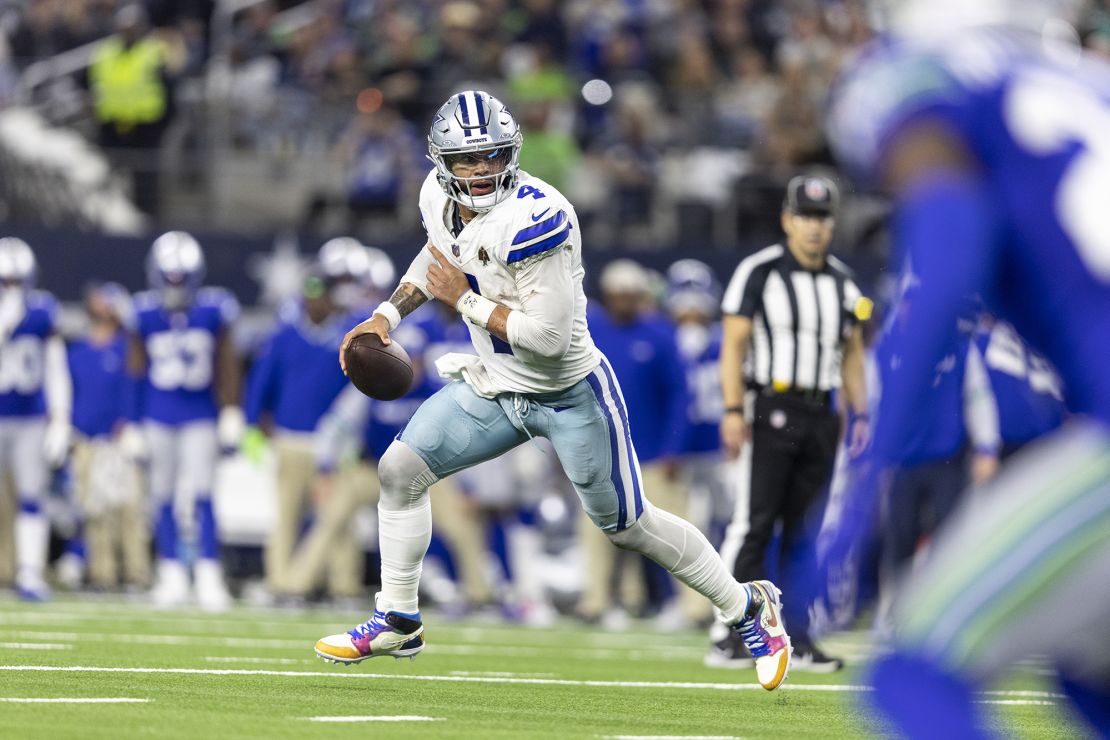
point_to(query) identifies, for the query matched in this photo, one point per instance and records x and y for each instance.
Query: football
(383, 372)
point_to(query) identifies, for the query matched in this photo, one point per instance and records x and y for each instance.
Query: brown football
(383, 372)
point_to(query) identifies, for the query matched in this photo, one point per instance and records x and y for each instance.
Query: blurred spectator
(467, 52)
(632, 162)
(399, 65)
(744, 102)
(129, 81)
(551, 155)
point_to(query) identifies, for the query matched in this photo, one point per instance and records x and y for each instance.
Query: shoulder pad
(539, 221)
(220, 299)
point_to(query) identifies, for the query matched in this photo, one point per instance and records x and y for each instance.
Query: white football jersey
(497, 250)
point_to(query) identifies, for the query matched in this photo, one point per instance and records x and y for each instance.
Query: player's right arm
(410, 295)
(734, 346)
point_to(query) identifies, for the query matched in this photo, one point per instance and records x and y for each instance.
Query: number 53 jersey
(1037, 127)
(181, 354)
(526, 254)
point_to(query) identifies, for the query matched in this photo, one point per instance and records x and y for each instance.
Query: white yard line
(276, 644)
(502, 674)
(464, 679)
(670, 737)
(1018, 702)
(35, 646)
(372, 718)
(269, 661)
(75, 700)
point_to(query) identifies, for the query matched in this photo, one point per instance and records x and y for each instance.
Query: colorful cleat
(385, 633)
(764, 634)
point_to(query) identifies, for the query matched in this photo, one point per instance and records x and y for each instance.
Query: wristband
(475, 308)
(735, 410)
(390, 313)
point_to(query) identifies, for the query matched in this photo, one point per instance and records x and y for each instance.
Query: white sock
(404, 537)
(32, 533)
(404, 526)
(682, 549)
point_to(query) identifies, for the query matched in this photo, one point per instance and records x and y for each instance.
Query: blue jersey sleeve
(262, 382)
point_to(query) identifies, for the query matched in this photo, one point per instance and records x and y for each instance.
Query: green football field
(110, 669)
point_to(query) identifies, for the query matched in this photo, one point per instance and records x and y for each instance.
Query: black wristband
(734, 410)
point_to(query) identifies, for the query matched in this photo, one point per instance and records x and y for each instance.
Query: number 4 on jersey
(526, 190)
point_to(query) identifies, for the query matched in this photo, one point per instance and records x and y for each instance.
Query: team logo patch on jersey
(455, 250)
(483, 255)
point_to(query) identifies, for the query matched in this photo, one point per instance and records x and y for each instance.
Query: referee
(791, 337)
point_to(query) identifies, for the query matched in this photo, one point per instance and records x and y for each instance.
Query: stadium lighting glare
(597, 92)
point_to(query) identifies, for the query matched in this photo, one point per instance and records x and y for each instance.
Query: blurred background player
(792, 337)
(693, 301)
(956, 443)
(35, 408)
(1027, 389)
(107, 482)
(996, 169)
(640, 343)
(182, 350)
(293, 382)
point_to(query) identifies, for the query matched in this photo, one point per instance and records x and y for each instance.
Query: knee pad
(404, 477)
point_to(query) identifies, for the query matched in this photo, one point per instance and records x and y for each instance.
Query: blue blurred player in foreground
(994, 143)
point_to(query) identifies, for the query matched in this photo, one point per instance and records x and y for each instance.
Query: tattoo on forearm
(407, 298)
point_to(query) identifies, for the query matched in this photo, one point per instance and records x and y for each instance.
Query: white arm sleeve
(980, 405)
(545, 319)
(417, 274)
(339, 431)
(56, 382)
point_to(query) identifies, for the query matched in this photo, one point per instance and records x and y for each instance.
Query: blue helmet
(175, 268)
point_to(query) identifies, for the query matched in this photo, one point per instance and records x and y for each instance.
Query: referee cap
(811, 195)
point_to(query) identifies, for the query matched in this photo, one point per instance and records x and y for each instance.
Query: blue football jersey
(1026, 387)
(22, 358)
(700, 352)
(1038, 127)
(181, 354)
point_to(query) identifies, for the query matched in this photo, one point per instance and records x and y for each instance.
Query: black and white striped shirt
(800, 318)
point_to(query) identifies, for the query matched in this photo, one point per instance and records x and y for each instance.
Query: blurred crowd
(706, 107)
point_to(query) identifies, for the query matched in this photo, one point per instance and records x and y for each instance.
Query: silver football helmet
(17, 263)
(475, 131)
(175, 268)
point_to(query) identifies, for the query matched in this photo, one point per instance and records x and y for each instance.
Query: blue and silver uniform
(701, 359)
(181, 354)
(22, 359)
(1029, 393)
(1011, 206)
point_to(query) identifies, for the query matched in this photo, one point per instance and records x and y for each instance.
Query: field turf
(252, 673)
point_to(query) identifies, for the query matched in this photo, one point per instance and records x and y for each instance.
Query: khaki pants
(7, 531)
(116, 532)
(463, 526)
(329, 554)
(331, 545)
(296, 473)
(603, 561)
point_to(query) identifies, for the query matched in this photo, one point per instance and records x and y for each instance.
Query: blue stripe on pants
(611, 377)
(614, 465)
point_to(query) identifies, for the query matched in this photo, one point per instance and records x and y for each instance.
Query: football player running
(993, 140)
(504, 249)
(188, 398)
(36, 397)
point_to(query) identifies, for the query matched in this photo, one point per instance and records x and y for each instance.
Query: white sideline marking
(76, 700)
(265, 643)
(469, 679)
(271, 661)
(34, 646)
(1018, 702)
(397, 718)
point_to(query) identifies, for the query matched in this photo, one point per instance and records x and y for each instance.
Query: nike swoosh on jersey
(537, 218)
